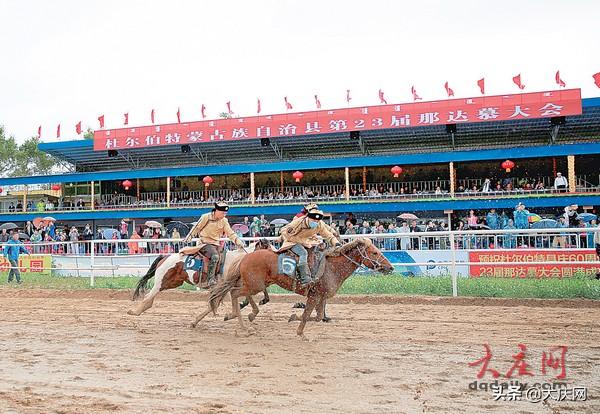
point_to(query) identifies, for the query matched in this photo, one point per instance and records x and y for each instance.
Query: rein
(364, 257)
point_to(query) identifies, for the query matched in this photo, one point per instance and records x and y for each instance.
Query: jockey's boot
(305, 276)
(210, 273)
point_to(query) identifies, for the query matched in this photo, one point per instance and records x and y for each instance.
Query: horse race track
(78, 352)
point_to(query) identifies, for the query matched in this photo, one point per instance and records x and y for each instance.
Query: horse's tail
(226, 284)
(143, 283)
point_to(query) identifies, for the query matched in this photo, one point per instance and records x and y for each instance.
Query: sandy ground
(78, 352)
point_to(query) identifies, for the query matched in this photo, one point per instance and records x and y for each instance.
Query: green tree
(8, 149)
(25, 159)
(88, 134)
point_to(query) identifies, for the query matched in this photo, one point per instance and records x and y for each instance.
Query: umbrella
(23, 236)
(49, 218)
(182, 228)
(532, 218)
(153, 224)
(8, 226)
(544, 224)
(585, 217)
(38, 222)
(407, 216)
(240, 228)
(108, 233)
(479, 226)
(279, 222)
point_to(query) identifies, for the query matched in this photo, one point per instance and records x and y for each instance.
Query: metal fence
(570, 239)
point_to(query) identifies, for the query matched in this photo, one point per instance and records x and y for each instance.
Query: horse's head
(370, 256)
(262, 244)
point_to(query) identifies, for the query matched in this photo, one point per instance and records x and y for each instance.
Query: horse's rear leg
(235, 308)
(254, 309)
(201, 316)
(321, 316)
(147, 302)
(265, 298)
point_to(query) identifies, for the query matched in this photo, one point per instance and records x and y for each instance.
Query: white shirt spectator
(560, 181)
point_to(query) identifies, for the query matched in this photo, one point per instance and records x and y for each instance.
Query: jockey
(306, 209)
(211, 228)
(299, 235)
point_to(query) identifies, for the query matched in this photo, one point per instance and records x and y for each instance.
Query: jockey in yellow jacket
(211, 227)
(300, 235)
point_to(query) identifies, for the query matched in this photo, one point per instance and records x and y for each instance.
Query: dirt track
(78, 352)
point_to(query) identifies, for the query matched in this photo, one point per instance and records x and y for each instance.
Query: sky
(69, 61)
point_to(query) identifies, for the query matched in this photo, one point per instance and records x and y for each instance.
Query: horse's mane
(350, 246)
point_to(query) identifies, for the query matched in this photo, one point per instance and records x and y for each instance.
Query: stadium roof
(473, 136)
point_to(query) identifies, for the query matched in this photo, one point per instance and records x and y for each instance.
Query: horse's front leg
(310, 305)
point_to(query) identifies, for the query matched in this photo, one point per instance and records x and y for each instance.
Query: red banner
(523, 269)
(451, 111)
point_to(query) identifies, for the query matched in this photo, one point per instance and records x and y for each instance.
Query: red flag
(203, 111)
(382, 98)
(40, 131)
(78, 128)
(258, 106)
(152, 115)
(596, 77)
(517, 81)
(58, 131)
(288, 105)
(481, 84)
(449, 90)
(414, 94)
(126, 118)
(317, 102)
(348, 98)
(228, 103)
(559, 81)
(178, 116)
(101, 121)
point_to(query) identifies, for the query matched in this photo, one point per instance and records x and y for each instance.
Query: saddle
(197, 263)
(287, 262)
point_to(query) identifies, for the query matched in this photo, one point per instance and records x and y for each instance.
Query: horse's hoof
(293, 317)
(263, 302)
(303, 338)
(192, 326)
(299, 305)
(251, 317)
(132, 312)
(326, 319)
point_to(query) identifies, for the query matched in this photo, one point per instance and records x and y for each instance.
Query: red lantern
(208, 180)
(298, 176)
(1, 190)
(55, 187)
(508, 165)
(396, 171)
(127, 184)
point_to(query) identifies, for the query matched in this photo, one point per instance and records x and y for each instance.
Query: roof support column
(92, 190)
(168, 192)
(281, 181)
(347, 179)
(452, 179)
(252, 189)
(571, 173)
(25, 198)
(364, 177)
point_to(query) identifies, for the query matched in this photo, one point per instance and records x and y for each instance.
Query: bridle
(377, 265)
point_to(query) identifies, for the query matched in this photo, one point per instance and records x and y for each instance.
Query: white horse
(169, 272)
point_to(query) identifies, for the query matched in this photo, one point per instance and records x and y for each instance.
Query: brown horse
(169, 273)
(254, 272)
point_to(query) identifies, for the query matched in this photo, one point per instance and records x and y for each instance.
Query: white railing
(570, 239)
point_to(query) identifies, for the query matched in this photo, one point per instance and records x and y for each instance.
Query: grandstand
(345, 171)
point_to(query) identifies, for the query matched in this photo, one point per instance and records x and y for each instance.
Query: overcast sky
(65, 61)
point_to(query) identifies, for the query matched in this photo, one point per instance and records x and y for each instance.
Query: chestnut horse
(168, 272)
(253, 273)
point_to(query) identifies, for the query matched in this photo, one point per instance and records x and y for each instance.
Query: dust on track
(78, 351)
